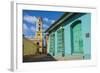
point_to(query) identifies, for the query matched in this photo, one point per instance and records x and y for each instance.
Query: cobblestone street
(38, 58)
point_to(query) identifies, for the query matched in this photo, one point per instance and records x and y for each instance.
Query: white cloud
(30, 19)
(33, 29)
(25, 27)
(52, 21)
(29, 36)
(45, 26)
(46, 19)
(43, 30)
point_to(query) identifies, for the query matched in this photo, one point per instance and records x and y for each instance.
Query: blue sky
(30, 18)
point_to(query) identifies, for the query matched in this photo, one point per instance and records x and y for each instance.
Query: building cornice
(59, 21)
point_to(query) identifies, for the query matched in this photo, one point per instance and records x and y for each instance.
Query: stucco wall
(85, 27)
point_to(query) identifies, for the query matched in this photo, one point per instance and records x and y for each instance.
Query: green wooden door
(77, 38)
(52, 44)
(60, 42)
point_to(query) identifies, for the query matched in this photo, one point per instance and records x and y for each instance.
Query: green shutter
(52, 44)
(77, 38)
(60, 42)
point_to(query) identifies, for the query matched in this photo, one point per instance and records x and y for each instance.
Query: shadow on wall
(38, 58)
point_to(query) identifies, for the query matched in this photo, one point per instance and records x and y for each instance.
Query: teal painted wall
(85, 27)
(67, 40)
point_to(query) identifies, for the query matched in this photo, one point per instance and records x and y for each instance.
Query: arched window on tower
(39, 24)
(39, 28)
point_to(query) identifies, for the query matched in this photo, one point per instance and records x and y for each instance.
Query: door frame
(71, 29)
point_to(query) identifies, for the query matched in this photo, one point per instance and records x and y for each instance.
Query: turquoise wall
(85, 27)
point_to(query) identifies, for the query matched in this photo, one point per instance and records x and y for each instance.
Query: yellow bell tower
(39, 34)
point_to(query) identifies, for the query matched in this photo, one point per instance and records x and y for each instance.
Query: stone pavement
(38, 58)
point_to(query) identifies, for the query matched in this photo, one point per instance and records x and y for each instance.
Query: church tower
(39, 33)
